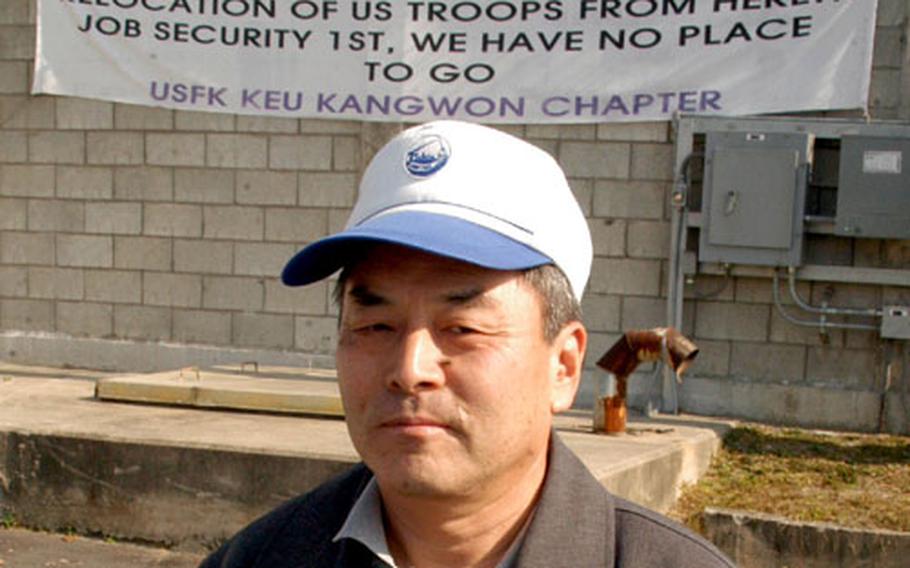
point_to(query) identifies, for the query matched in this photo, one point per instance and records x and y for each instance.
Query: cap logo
(428, 155)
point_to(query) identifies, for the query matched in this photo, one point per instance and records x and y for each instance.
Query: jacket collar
(573, 525)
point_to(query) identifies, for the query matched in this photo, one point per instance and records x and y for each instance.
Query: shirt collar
(364, 524)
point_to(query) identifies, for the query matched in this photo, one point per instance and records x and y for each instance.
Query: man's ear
(568, 357)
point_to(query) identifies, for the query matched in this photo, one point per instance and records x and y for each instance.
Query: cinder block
(884, 90)
(346, 154)
(172, 220)
(608, 236)
(648, 239)
(652, 161)
(203, 121)
(845, 295)
(890, 14)
(583, 189)
(233, 293)
(115, 148)
(142, 322)
(228, 222)
(85, 251)
(144, 183)
(56, 283)
(13, 146)
(55, 215)
(300, 152)
(204, 185)
(26, 248)
(236, 150)
(27, 315)
(13, 216)
(117, 286)
(828, 250)
(338, 218)
(844, 368)
(17, 42)
(78, 182)
(283, 299)
(84, 114)
(561, 131)
(262, 187)
(55, 147)
(13, 281)
(598, 344)
(643, 313)
(601, 313)
(759, 291)
(709, 287)
(164, 289)
(21, 111)
(26, 181)
(783, 331)
(888, 48)
(858, 339)
(14, 12)
(867, 252)
(194, 326)
(713, 359)
(261, 259)
(738, 322)
(327, 189)
(175, 149)
(317, 335)
(85, 319)
(203, 257)
(142, 253)
(134, 117)
(113, 218)
(323, 126)
(625, 276)
(263, 330)
(768, 362)
(267, 124)
(595, 160)
(549, 146)
(631, 200)
(295, 225)
(634, 131)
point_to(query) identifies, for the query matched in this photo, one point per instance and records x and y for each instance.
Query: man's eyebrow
(363, 296)
(469, 297)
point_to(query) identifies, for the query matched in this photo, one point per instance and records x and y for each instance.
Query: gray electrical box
(896, 322)
(873, 193)
(753, 198)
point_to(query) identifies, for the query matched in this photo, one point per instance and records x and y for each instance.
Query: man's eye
(462, 330)
(374, 327)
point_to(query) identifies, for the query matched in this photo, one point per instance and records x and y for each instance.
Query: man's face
(447, 381)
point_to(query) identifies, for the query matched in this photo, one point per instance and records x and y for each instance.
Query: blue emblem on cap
(429, 155)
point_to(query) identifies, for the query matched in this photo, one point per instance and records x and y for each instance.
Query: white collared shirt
(364, 524)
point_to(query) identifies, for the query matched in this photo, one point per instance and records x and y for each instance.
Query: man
(459, 339)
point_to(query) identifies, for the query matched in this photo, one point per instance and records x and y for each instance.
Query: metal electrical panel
(873, 194)
(896, 322)
(753, 198)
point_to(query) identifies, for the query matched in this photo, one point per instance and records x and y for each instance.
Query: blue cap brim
(428, 232)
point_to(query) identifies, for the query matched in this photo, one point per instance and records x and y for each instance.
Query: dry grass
(853, 480)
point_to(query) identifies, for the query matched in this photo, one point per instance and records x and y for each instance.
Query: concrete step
(188, 478)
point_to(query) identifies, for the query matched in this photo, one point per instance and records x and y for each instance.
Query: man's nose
(420, 363)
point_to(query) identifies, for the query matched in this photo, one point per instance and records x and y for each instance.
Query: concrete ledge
(755, 540)
(63, 350)
(812, 406)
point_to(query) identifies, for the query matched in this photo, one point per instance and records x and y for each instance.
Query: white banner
(507, 61)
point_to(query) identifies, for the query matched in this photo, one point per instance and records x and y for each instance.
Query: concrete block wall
(128, 224)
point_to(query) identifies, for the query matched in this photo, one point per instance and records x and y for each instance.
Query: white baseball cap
(462, 191)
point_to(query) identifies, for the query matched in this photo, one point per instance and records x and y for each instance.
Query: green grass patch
(855, 480)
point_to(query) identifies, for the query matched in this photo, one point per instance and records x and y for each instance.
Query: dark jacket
(577, 524)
